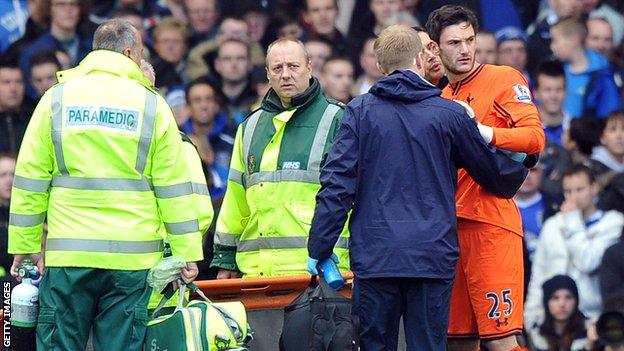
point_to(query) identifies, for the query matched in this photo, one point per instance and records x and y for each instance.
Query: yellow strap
(271, 151)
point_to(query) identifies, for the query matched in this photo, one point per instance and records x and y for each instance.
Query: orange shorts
(487, 300)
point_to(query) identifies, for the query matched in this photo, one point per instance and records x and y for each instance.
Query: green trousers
(75, 300)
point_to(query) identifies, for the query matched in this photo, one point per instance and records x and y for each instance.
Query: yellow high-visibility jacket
(102, 158)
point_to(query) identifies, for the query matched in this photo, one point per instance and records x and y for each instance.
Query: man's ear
(381, 69)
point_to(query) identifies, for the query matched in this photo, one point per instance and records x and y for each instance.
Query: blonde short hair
(169, 23)
(396, 47)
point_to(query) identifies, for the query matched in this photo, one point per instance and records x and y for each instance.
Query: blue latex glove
(516, 156)
(335, 258)
(312, 263)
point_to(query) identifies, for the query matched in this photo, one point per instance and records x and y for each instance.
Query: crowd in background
(209, 58)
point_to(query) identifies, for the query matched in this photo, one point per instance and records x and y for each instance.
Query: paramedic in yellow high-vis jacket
(103, 160)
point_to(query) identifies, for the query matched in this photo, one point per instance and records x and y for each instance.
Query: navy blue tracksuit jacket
(394, 162)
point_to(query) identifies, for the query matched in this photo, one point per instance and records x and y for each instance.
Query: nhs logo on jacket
(102, 116)
(292, 165)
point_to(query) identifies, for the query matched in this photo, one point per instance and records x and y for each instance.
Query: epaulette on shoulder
(336, 102)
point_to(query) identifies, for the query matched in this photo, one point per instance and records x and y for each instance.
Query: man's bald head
(120, 36)
(288, 42)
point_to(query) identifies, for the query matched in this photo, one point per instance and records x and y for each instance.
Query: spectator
(208, 121)
(600, 9)
(202, 18)
(386, 13)
(7, 170)
(600, 36)
(320, 18)
(611, 271)
(257, 21)
(564, 324)
(337, 79)
(201, 58)
(36, 24)
(580, 139)
(608, 159)
(590, 89)
(43, 68)
(368, 63)
(539, 31)
(170, 48)
(233, 66)
(486, 47)
(572, 242)
(14, 112)
(550, 92)
(512, 49)
(70, 31)
(13, 16)
(176, 99)
(319, 50)
(600, 39)
(381, 14)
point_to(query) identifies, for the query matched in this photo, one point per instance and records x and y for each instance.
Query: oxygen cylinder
(25, 308)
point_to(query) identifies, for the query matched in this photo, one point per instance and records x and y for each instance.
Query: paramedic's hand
(225, 274)
(190, 272)
(487, 133)
(187, 275)
(37, 259)
(312, 263)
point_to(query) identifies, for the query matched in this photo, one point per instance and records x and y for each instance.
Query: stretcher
(265, 299)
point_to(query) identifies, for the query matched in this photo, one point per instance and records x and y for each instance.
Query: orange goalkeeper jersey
(500, 98)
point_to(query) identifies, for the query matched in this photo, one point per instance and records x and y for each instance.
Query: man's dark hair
(449, 15)
(218, 94)
(550, 68)
(43, 57)
(419, 29)
(9, 63)
(579, 168)
(585, 132)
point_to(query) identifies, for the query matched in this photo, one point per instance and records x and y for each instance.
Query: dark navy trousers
(379, 303)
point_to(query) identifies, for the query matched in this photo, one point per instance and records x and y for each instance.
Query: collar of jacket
(106, 61)
(272, 102)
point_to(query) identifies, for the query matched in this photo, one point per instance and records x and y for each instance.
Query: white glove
(487, 133)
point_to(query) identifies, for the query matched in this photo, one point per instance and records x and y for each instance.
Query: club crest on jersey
(523, 94)
(293, 165)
